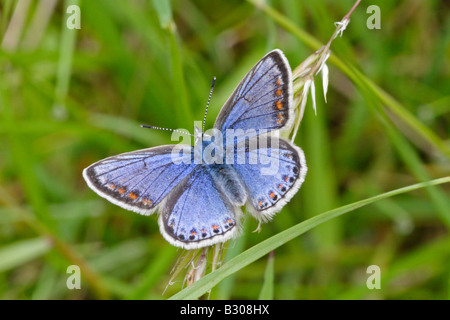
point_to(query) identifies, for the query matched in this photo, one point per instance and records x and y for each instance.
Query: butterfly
(199, 202)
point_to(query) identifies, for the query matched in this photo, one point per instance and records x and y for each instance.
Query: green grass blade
(24, 162)
(320, 187)
(64, 70)
(209, 281)
(164, 12)
(225, 288)
(359, 79)
(412, 160)
(179, 84)
(269, 277)
(399, 110)
(430, 256)
(151, 275)
(20, 252)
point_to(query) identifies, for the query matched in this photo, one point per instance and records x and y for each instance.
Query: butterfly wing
(263, 99)
(140, 180)
(270, 184)
(197, 214)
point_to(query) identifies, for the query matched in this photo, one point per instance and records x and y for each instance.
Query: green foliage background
(69, 98)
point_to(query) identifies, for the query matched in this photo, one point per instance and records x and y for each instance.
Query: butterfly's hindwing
(271, 183)
(197, 213)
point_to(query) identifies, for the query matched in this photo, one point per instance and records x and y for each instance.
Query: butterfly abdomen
(227, 179)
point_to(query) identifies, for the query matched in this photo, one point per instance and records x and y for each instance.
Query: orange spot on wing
(132, 196)
(280, 118)
(112, 186)
(147, 202)
(278, 92)
(272, 195)
(215, 226)
(278, 82)
(279, 105)
(122, 190)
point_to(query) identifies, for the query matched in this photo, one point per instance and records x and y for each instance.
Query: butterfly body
(199, 190)
(229, 182)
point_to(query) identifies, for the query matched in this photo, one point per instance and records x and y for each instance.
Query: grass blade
(209, 281)
(20, 252)
(359, 79)
(267, 288)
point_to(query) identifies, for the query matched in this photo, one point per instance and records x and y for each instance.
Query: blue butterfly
(200, 201)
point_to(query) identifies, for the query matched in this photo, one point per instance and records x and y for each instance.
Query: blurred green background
(69, 98)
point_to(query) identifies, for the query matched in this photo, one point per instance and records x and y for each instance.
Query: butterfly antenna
(209, 99)
(166, 129)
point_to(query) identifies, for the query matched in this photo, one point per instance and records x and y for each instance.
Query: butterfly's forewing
(197, 214)
(262, 102)
(270, 184)
(140, 180)
(263, 99)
